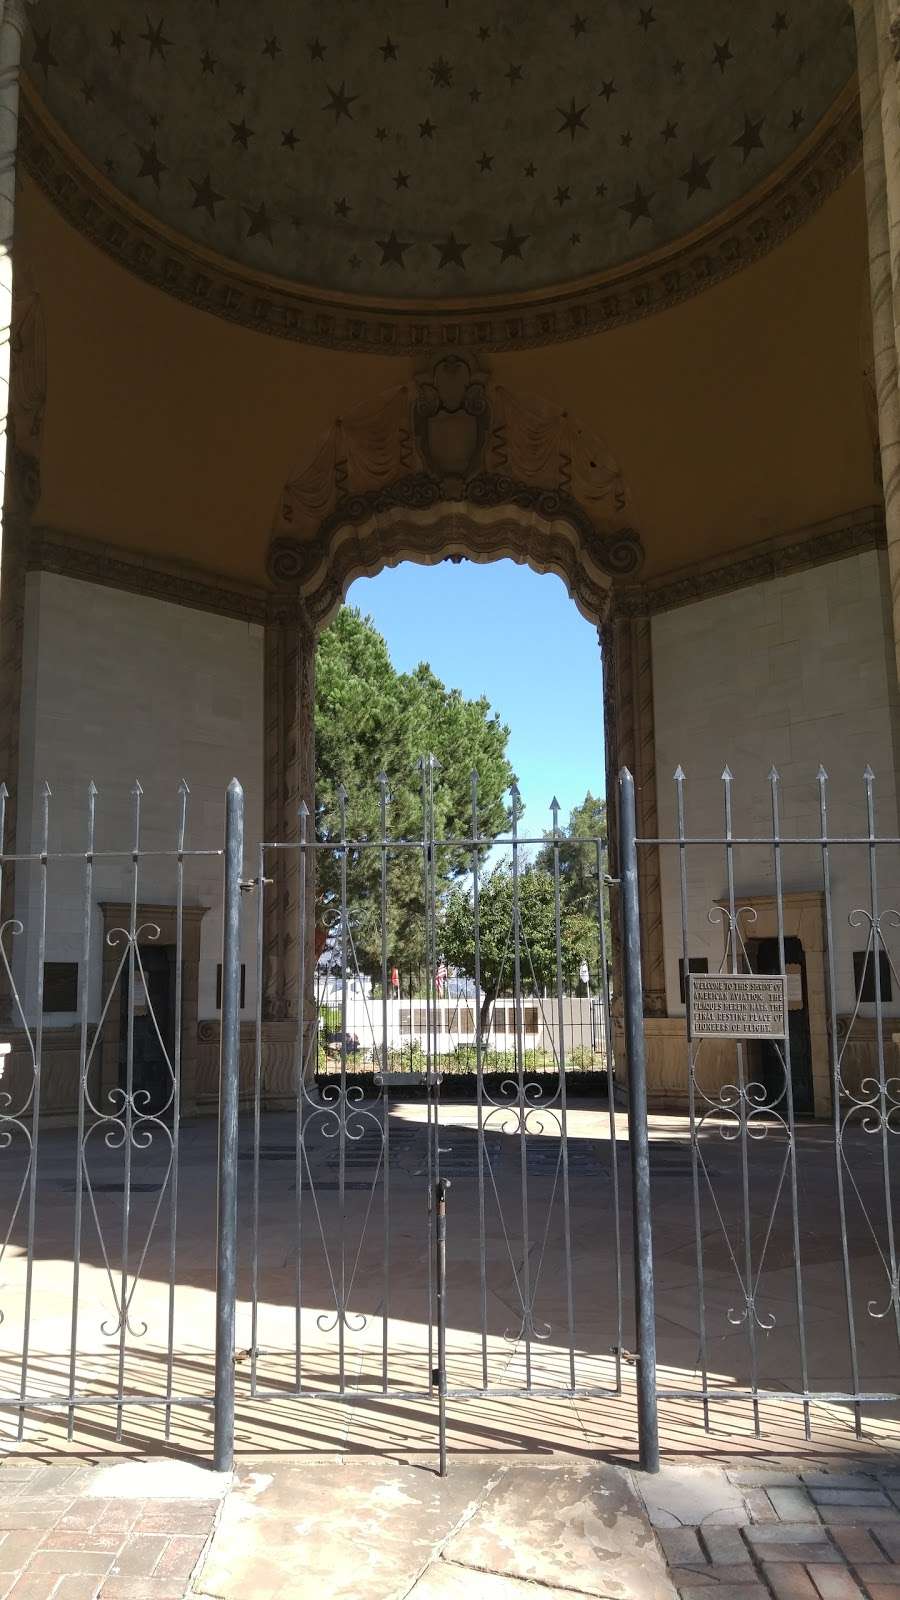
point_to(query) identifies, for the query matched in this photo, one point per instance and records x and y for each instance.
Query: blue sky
(507, 632)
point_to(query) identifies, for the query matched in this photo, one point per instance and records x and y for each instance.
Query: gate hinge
(631, 1356)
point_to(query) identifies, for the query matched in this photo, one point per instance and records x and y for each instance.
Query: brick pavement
(60, 1539)
(807, 1535)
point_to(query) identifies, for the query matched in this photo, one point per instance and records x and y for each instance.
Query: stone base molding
(278, 1065)
(60, 1061)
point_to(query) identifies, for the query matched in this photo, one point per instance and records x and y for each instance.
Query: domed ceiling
(431, 150)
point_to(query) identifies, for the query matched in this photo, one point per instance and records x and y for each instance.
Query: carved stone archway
(496, 517)
(445, 467)
(451, 465)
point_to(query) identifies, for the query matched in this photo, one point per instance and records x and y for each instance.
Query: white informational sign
(583, 973)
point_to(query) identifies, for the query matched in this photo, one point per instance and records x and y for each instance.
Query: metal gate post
(645, 1311)
(226, 1250)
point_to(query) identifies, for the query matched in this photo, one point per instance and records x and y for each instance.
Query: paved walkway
(754, 1532)
(525, 1529)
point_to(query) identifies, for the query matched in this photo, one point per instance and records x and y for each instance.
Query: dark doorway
(765, 958)
(154, 1028)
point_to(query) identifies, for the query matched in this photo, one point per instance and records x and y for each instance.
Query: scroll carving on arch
(450, 466)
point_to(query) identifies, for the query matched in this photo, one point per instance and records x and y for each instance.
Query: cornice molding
(275, 306)
(91, 561)
(758, 563)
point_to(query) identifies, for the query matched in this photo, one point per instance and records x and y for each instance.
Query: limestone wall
(121, 687)
(793, 672)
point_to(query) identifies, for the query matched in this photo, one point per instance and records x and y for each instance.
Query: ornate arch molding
(447, 467)
(495, 518)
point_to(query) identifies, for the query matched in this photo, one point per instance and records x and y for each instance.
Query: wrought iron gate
(429, 1202)
(790, 1236)
(421, 1197)
(415, 1199)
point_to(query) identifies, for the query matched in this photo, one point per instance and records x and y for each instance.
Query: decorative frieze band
(181, 584)
(91, 561)
(759, 563)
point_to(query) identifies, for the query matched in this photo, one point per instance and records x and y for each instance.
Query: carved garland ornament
(275, 306)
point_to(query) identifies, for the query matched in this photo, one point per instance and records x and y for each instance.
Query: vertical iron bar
(869, 779)
(727, 780)
(822, 780)
(479, 1072)
(257, 1109)
(226, 1245)
(128, 1105)
(610, 1095)
(561, 1063)
(520, 1081)
(183, 792)
(343, 1101)
(429, 1131)
(440, 1238)
(300, 1061)
(692, 1096)
(789, 1108)
(385, 1097)
(87, 908)
(36, 1099)
(648, 1425)
(432, 922)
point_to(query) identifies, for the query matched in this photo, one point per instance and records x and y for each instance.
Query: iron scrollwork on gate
(416, 1063)
(788, 902)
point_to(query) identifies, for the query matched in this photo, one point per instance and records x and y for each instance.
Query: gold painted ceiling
(438, 149)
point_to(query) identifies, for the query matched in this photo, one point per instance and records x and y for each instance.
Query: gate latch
(250, 885)
(631, 1356)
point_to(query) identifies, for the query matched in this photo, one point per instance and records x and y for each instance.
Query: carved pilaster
(630, 742)
(876, 44)
(16, 534)
(290, 683)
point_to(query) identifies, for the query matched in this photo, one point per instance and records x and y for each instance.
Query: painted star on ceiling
(510, 246)
(339, 101)
(750, 138)
(451, 252)
(206, 197)
(638, 206)
(393, 250)
(260, 223)
(572, 120)
(151, 166)
(157, 43)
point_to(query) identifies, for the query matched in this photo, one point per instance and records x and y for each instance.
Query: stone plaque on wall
(724, 1005)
